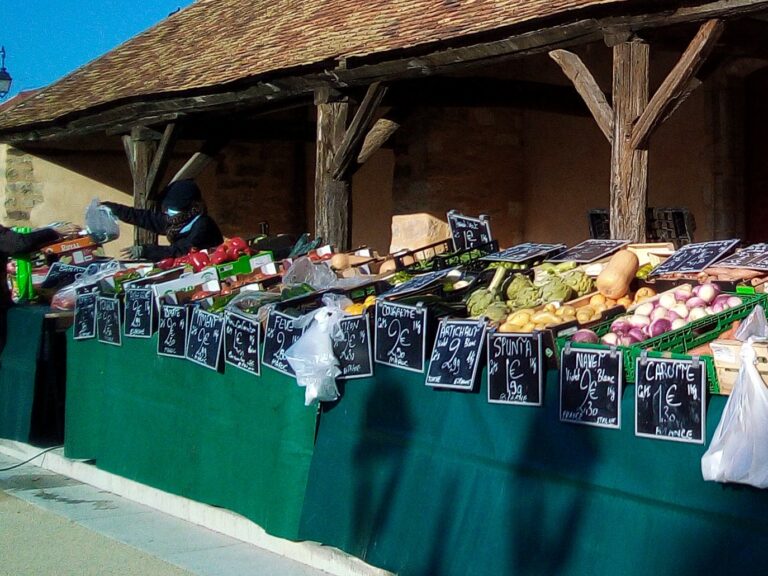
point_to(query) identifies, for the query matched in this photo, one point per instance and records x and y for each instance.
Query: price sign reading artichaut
(590, 387)
(400, 335)
(456, 354)
(206, 333)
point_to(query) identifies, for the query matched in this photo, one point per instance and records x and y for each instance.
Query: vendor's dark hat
(180, 195)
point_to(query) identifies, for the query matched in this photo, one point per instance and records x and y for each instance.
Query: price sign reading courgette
(400, 335)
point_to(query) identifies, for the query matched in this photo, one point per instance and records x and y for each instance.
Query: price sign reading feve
(515, 369)
(523, 252)
(108, 320)
(85, 317)
(456, 354)
(352, 348)
(280, 335)
(754, 257)
(693, 258)
(205, 335)
(589, 251)
(590, 387)
(172, 331)
(669, 399)
(400, 335)
(417, 283)
(467, 232)
(139, 312)
(241, 343)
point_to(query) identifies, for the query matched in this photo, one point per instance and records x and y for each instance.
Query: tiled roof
(215, 42)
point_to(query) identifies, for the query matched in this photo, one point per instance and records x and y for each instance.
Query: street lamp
(5, 78)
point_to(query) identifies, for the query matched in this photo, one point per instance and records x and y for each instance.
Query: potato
(597, 299)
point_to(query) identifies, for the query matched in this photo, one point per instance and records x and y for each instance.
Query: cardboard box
(727, 356)
(207, 278)
(244, 265)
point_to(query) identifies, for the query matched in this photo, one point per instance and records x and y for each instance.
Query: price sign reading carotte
(669, 399)
(456, 354)
(172, 331)
(515, 370)
(280, 335)
(400, 335)
(590, 387)
(206, 333)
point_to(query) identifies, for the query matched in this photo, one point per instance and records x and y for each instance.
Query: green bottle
(25, 290)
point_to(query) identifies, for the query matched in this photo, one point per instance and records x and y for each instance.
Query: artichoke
(556, 290)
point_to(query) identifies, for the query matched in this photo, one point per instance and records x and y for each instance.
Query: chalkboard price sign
(172, 331)
(515, 369)
(590, 387)
(206, 333)
(590, 250)
(467, 232)
(523, 252)
(456, 354)
(60, 274)
(139, 312)
(353, 348)
(693, 258)
(754, 257)
(108, 321)
(241, 343)
(280, 335)
(417, 283)
(400, 332)
(669, 399)
(85, 317)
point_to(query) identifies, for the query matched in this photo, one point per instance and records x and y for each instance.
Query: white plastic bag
(311, 356)
(101, 224)
(739, 449)
(304, 271)
(65, 298)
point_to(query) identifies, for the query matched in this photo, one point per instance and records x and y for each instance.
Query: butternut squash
(614, 280)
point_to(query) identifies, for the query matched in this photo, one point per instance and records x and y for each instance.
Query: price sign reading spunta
(85, 317)
(515, 369)
(139, 312)
(400, 332)
(172, 331)
(590, 387)
(206, 333)
(108, 321)
(241, 343)
(280, 335)
(467, 232)
(353, 348)
(669, 399)
(456, 354)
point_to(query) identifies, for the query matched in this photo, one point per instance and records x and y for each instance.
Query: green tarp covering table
(233, 440)
(420, 481)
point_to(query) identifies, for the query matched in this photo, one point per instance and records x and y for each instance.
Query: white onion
(659, 327)
(681, 310)
(612, 339)
(638, 320)
(697, 313)
(707, 292)
(734, 301)
(621, 326)
(683, 293)
(695, 302)
(679, 323)
(667, 300)
(644, 309)
(659, 312)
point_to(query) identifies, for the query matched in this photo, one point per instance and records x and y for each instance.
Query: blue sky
(46, 39)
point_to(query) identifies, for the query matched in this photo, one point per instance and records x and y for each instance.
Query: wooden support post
(160, 160)
(142, 150)
(629, 166)
(332, 197)
(199, 160)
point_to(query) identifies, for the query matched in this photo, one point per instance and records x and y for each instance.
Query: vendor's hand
(67, 229)
(132, 252)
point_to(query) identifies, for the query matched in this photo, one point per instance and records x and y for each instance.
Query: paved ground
(53, 525)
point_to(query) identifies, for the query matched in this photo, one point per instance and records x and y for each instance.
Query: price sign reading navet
(280, 335)
(590, 387)
(205, 335)
(523, 252)
(754, 257)
(139, 312)
(467, 232)
(353, 348)
(400, 335)
(85, 317)
(172, 331)
(456, 354)
(670, 399)
(590, 250)
(108, 321)
(693, 258)
(515, 369)
(241, 343)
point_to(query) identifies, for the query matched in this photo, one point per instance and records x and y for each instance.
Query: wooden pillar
(629, 165)
(332, 197)
(143, 148)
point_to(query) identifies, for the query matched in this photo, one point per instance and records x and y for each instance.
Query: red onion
(586, 336)
(659, 327)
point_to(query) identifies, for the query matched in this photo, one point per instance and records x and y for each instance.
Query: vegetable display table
(233, 440)
(420, 481)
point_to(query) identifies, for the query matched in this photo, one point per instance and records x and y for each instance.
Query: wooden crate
(726, 354)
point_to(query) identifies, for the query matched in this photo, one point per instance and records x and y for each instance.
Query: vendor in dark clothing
(15, 244)
(183, 219)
